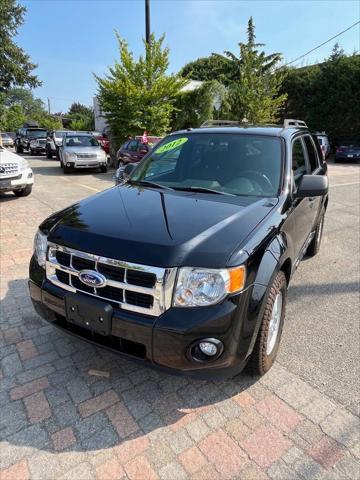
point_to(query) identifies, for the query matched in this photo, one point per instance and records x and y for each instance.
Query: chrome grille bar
(160, 292)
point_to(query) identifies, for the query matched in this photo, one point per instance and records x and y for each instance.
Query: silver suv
(81, 150)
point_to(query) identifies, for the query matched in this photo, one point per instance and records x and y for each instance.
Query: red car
(134, 150)
(103, 140)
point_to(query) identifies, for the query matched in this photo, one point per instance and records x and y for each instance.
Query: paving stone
(105, 438)
(277, 377)
(174, 471)
(207, 472)
(56, 396)
(356, 450)
(139, 408)
(121, 419)
(150, 422)
(318, 409)
(265, 446)
(27, 350)
(98, 403)
(110, 470)
(11, 365)
(278, 413)
(226, 456)
(131, 448)
(342, 426)
(41, 464)
(237, 429)
(229, 409)
(308, 469)
(12, 418)
(29, 375)
(160, 454)
(63, 438)
(85, 428)
(37, 407)
(296, 393)
(253, 472)
(192, 460)
(244, 399)
(281, 471)
(78, 390)
(66, 414)
(19, 471)
(214, 418)
(327, 452)
(349, 466)
(140, 468)
(180, 441)
(293, 455)
(29, 388)
(310, 433)
(83, 471)
(197, 430)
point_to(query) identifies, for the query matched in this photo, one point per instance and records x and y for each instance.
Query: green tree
(81, 117)
(254, 95)
(138, 95)
(15, 65)
(192, 108)
(25, 99)
(215, 67)
(12, 118)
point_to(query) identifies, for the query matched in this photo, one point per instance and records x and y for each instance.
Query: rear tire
(268, 339)
(314, 246)
(24, 192)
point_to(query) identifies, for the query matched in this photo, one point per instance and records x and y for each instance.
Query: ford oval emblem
(92, 279)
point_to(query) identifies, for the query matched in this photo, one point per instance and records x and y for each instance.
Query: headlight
(198, 287)
(24, 164)
(40, 247)
(70, 155)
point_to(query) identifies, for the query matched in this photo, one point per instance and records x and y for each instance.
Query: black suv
(25, 135)
(186, 264)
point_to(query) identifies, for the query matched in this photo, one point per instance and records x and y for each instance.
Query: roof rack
(291, 122)
(220, 123)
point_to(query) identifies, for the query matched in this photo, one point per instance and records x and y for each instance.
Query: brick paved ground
(58, 422)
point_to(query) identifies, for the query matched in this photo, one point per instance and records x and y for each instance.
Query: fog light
(68, 164)
(208, 348)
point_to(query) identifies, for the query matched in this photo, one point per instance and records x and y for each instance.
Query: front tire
(48, 154)
(67, 169)
(32, 153)
(268, 339)
(103, 168)
(314, 246)
(19, 149)
(24, 192)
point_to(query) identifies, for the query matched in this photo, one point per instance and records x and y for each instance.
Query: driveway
(59, 421)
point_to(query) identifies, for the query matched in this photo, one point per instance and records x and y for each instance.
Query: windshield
(236, 164)
(59, 134)
(81, 141)
(37, 133)
(5, 135)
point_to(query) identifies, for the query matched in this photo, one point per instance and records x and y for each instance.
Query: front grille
(86, 155)
(128, 286)
(8, 170)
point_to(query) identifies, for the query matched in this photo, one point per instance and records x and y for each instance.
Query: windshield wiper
(202, 189)
(147, 183)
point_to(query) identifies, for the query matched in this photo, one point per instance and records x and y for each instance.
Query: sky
(72, 39)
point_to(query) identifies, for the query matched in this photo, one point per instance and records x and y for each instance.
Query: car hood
(93, 150)
(159, 228)
(9, 157)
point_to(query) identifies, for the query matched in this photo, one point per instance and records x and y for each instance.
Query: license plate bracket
(89, 313)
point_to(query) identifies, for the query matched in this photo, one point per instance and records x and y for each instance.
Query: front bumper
(164, 341)
(19, 182)
(96, 163)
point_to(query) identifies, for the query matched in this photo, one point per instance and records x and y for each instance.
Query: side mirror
(128, 169)
(313, 186)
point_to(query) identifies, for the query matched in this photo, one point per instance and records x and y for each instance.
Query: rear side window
(313, 159)
(133, 145)
(298, 161)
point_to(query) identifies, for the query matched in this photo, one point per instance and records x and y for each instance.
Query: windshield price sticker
(172, 145)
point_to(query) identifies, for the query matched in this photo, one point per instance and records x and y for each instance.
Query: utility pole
(48, 99)
(147, 21)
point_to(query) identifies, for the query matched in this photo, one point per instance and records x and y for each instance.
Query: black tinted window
(298, 161)
(311, 153)
(133, 145)
(230, 163)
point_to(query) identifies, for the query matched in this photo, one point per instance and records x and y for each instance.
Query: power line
(324, 43)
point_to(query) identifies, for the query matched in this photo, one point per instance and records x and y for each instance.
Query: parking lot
(300, 421)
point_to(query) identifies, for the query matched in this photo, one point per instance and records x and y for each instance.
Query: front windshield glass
(236, 164)
(59, 134)
(37, 133)
(81, 141)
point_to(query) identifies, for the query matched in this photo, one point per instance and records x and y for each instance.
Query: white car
(15, 174)
(81, 150)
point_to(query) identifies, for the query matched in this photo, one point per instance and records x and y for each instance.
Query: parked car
(134, 150)
(11, 135)
(53, 141)
(324, 143)
(103, 140)
(7, 141)
(186, 266)
(25, 135)
(81, 150)
(15, 174)
(349, 152)
(38, 145)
